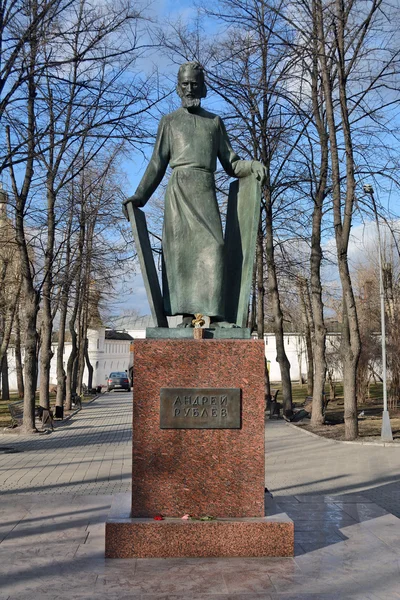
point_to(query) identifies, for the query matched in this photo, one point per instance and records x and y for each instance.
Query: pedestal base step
(147, 538)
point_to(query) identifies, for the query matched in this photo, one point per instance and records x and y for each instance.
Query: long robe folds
(193, 247)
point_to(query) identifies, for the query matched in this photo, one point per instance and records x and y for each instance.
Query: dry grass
(370, 423)
(5, 417)
(369, 429)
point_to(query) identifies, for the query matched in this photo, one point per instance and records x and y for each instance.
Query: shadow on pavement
(322, 519)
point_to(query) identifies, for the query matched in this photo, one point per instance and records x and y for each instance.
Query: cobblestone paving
(57, 490)
(52, 548)
(87, 454)
(91, 454)
(297, 463)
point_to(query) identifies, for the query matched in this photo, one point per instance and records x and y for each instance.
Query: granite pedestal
(197, 471)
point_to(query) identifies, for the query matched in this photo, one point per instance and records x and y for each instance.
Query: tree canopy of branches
(71, 95)
(310, 88)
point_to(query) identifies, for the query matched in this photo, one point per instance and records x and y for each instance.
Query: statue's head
(191, 86)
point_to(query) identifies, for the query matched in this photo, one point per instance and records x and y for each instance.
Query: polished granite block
(217, 472)
(146, 538)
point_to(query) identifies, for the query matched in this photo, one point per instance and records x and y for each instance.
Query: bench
(45, 415)
(76, 400)
(17, 412)
(273, 406)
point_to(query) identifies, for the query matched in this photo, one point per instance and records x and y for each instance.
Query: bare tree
(351, 73)
(71, 85)
(308, 328)
(21, 193)
(250, 68)
(93, 265)
(84, 113)
(10, 280)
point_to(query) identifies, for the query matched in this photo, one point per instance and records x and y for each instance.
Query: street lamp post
(386, 431)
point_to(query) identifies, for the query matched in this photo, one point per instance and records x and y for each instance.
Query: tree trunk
(332, 388)
(308, 327)
(6, 322)
(18, 356)
(349, 379)
(61, 375)
(71, 380)
(31, 297)
(81, 341)
(350, 408)
(31, 306)
(84, 306)
(71, 365)
(46, 353)
(89, 366)
(66, 287)
(342, 215)
(319, 340)
(75, 370)
(273, 291)
(319, 329)
(5, 389)
(268, 395)
(81, 364)
(310, 364)
(260, 281)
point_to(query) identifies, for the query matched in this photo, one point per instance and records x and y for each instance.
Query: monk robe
(190, 141)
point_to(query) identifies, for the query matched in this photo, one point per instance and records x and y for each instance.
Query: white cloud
(362, 251)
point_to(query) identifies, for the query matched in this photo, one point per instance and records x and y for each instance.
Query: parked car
(118, 381)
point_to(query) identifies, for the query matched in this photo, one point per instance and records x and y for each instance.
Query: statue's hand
(259, 171)
(134, 201)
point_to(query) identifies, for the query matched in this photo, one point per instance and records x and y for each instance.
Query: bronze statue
(190, 140)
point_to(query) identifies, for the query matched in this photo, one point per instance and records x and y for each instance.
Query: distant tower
(94, 317)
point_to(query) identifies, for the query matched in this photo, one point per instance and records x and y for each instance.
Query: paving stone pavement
(297, 463)
(87, 454)
(56, 493)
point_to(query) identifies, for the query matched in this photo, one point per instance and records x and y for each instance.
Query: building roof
(129, 322)
(111, 334)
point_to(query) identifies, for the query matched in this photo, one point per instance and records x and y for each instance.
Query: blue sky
(363, 237)
(133, 294)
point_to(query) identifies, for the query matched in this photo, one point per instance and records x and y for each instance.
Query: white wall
(295, 347)
(114, 355)
(295, 351)
(105, 356)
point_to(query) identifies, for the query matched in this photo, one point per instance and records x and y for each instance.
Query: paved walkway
(88, 454)
(57, 490)
(297, 463)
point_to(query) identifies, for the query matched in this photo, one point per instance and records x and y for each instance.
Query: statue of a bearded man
(190, 140)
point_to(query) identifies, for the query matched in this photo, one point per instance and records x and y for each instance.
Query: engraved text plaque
(200, 408)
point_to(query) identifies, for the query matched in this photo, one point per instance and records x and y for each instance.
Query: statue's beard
(190, 102)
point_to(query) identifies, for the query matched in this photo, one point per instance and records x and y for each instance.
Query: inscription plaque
(200, 408)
